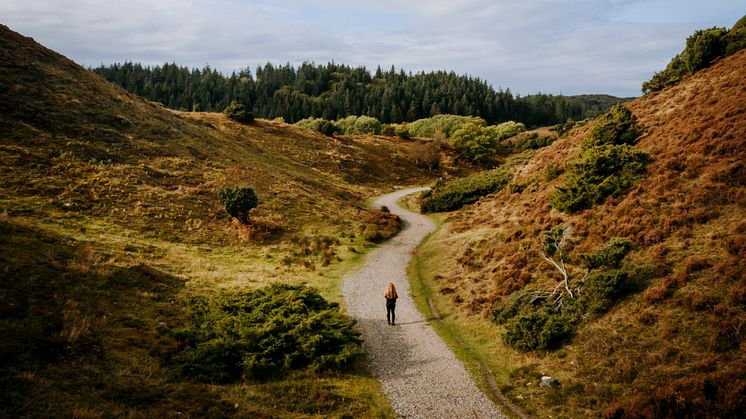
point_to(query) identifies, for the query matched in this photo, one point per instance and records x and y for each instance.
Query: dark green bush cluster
(601, 172)
(238, 113)
(454, 194)
(544, 329)
(532, 141)
(610, 255)
(702, 49)
(608, 165)
(238, 202)
(604, 288)
(351, 125)
(532, 326)
(616, 127)
(533, 322)
(264, 333)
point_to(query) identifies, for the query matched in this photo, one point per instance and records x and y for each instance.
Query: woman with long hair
(391, 297)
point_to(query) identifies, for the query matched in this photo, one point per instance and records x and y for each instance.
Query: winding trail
(420, 375)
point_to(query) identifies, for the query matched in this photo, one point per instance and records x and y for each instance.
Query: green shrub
(358, 125)
(601, 171)
(538, 320)
(264, 333)
(703, 47)
(402, 131)
(458, 192)
(519, 187)
(610, 255)
(532, 142)
(474, 142)
(388, 130)
(478, 142)
(674, 72)
(444, 125)
(563, 129)
(311, 123)
(604, 288)
(506, 129)
(345, 125)
(542, 329)
(328, 128)
(508, 308)
(553, 171)
(736, 38)
(321, 125)
(238, 113)
(618, 126)
(597, 164)
(238, 202)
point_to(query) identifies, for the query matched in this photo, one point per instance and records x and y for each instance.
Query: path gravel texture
(419, 373)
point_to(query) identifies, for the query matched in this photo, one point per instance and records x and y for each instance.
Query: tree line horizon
(334, 91)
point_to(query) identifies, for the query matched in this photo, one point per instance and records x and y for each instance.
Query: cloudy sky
(528, 46)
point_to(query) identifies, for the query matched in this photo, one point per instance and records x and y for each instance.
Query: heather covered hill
(654, 325)
(111, 229)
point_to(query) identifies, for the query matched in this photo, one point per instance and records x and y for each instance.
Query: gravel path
(419, 374)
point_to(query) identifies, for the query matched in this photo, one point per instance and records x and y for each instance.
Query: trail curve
(419, 374)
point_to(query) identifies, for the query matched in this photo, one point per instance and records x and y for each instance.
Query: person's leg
(388, 315)
(393, 315)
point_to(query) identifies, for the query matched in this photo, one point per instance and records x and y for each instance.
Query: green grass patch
(471, 338)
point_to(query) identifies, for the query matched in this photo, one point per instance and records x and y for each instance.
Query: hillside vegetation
(703, 47)
(114, 246)
(612, 262)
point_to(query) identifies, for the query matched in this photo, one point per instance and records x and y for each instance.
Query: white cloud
(573, 46)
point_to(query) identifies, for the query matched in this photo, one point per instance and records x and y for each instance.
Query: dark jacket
(390, 302)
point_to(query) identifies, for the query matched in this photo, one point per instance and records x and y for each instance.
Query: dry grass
(109, 218)
(681, 331)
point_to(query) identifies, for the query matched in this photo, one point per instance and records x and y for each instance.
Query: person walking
(391, 297)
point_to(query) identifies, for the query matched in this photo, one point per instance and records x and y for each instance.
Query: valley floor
(419, 373)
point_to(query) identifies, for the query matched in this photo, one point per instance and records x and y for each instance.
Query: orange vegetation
(676, 347)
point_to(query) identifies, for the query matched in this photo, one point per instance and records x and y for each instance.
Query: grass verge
(474, 350)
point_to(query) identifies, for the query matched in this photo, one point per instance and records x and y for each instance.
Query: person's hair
(391, 291)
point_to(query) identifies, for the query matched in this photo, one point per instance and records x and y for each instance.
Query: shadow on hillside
(85, 334)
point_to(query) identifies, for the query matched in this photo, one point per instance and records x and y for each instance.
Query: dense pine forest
(333, 91)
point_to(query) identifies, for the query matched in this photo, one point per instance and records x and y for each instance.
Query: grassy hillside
(109, 220)
(669, 340)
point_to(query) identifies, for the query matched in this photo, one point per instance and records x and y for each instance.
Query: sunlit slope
(109, 218)
(674, 342)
